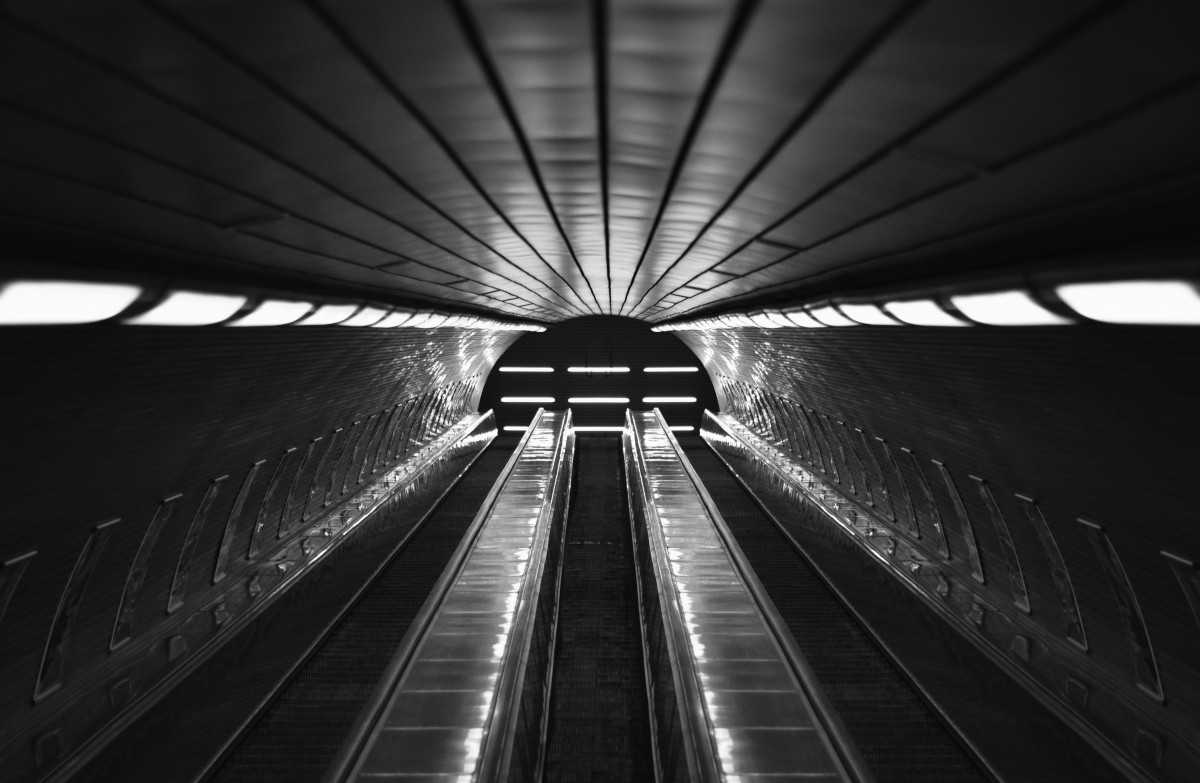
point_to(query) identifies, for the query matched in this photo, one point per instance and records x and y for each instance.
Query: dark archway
(598, 342)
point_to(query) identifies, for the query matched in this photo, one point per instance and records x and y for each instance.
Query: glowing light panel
(274, 312)
(922, 312)
(190, 308)
(1134, 301)
(63, 301)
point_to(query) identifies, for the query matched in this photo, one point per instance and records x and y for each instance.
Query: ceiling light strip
(1148, 301)
(48, 302)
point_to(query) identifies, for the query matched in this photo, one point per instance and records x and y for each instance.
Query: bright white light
(526, 369)
(922, 312)
(436, 320)
(597, 369)
(670, 369)
(515, 428)
(778, 318)
(682, 428)
(526, 399)
(868, 314)
(365, 317)
(830, 317)
(763, 321)
(419, 320)
(397, 318)
(273, 312)
(1006, 308)
(652, 400)
(801, 318)
(327, 315)
(63, 301)
(190, 308)
(596, 400)
(598, 428)
(1134, 301)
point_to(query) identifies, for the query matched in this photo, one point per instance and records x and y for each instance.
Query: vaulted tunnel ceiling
(554, 159)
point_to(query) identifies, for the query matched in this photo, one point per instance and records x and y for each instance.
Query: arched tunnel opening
(598, 366)
(599, 390)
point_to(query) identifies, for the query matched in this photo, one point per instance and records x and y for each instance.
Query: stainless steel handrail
(699, 750)
(841, 740)
(501, 723)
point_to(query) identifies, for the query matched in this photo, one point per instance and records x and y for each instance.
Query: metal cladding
(985, 509)
(745, 702)
(474, 657)
(223, 496)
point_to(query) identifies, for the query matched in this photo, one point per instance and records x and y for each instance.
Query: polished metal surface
(550, 159)
(1049, 662)
(746, 698)
(450, 703)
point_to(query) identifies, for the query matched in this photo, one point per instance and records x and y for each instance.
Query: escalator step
(898, 734)
(301, 731)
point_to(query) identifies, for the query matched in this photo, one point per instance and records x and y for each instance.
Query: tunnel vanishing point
(600, 390)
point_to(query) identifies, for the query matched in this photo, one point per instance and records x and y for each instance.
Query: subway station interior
(600, 390)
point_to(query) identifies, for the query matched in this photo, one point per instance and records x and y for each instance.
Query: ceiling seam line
(184, 214)
(376, 70)
(1190, 178)
(861, 52)
(237, 136)
(1178, 87)
(478, 46)
(1091, 16)
(600, 34)
(100, 138)
(281, 92)
(729, 43)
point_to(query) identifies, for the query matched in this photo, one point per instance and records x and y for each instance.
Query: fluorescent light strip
(597, 369)
(682, 428)
(274, 312)
(597, 400)
(1006, 308)
(527, 369)
(922, 312)
(801, 318)
(867, 314)
(516, 427)
(652, 400)
(670, 369)
(598, 428)
(830, 317)
(327, 315)
(527, 399)
(1134, 301)
(397, 318)
(365, 317)
(63, 301)
(190, 308)
(763, 321)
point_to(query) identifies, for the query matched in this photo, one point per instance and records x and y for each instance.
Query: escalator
(301, 731)
(598, 719)
(897, 732)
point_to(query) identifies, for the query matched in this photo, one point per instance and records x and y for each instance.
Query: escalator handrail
(841, 741)
(357, 742)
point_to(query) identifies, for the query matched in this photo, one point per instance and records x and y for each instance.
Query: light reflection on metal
(1145, 667)
(717, 619)
(1064, 588)
(465, 655)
